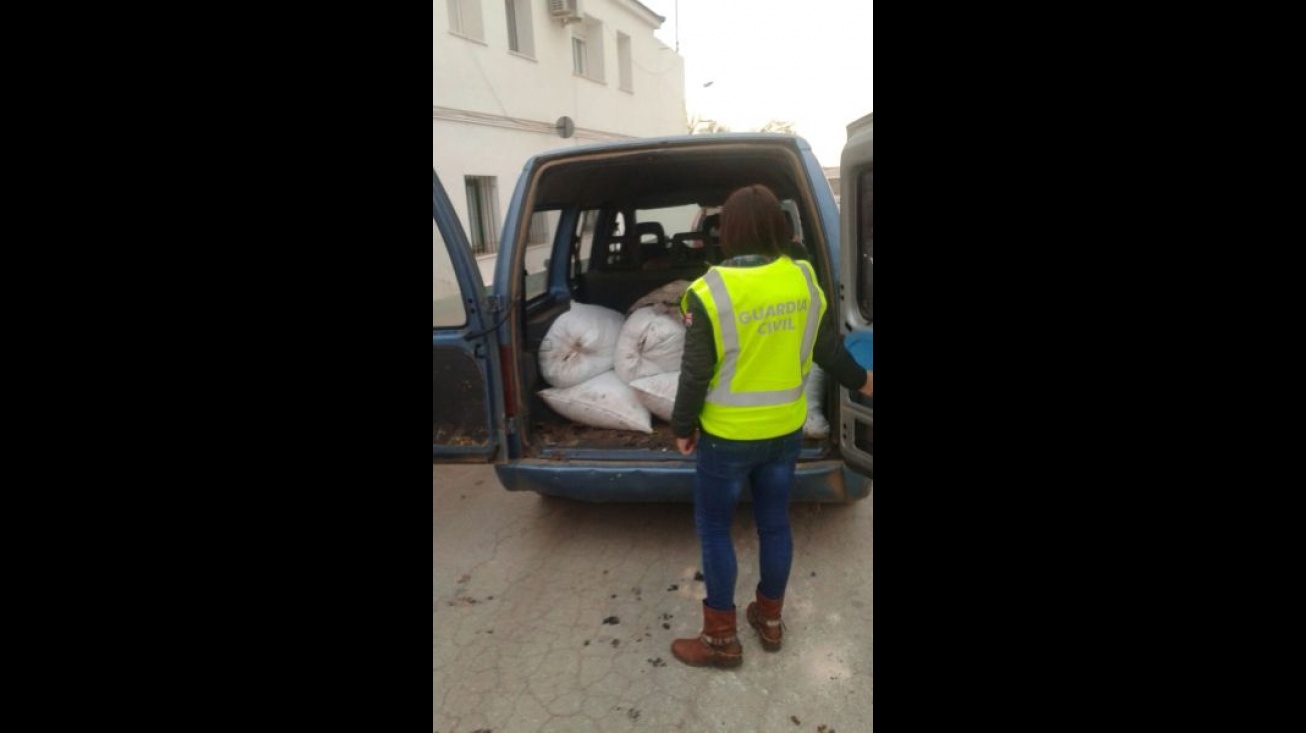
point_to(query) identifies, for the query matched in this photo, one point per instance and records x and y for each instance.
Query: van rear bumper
(608, 481)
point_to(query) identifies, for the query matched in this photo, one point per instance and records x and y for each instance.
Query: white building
(512, 78)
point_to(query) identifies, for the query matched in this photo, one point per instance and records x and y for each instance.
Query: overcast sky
(806, 62)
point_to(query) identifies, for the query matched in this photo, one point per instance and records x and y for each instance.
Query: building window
(521, 32)
(578, 57)
(465, 19)
(483, 213)
(587, 49)
(623, 63)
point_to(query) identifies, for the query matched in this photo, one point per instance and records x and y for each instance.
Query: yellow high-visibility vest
(764, 322)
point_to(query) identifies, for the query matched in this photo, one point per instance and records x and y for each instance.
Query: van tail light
(506, 366)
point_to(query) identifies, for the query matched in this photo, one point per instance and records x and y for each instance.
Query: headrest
(653, 227)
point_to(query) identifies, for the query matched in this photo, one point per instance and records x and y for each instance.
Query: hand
(868, 389)
(687, 445)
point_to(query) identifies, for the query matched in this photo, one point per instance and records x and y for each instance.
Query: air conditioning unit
(567, 11)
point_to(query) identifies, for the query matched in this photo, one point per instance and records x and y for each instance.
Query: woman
(755, 324)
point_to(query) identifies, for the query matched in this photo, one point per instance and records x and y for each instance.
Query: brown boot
(717, 646)
(764, 615)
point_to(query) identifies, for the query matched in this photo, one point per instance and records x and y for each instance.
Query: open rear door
(857, 273)
(466, 398)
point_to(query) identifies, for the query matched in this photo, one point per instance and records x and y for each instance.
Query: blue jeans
(724, 466)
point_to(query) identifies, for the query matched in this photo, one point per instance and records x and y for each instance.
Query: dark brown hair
(752, 223)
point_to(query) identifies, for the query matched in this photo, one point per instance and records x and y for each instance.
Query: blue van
(604, 225)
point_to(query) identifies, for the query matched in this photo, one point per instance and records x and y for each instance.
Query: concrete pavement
(557, 616)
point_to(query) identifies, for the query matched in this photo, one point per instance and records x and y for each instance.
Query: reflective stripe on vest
(725, 393)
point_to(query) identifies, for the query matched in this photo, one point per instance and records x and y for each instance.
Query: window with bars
(483, 213)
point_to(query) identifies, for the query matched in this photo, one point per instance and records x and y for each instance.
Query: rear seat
(653, 244)
(689, 247)
(618, 278)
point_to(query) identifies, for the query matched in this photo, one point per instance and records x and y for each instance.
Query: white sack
(816, 427)
(651, 342)
(602, 402)
(658, 393)
(668, 295)
(580, 345)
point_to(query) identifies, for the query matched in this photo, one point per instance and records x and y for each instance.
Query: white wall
(488, 78)
(493, 109)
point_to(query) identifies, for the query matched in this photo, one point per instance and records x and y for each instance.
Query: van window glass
(611, 247)
(794, 219)
(866, 244)
(673, 220)
(446, 299)
(539, 247)
(658, 229)
(588, 222)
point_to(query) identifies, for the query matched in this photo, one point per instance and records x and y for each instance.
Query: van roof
(678, 140)
(669, 171)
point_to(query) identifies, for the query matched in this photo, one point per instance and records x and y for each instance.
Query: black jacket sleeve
(696, 367)
(833, 357)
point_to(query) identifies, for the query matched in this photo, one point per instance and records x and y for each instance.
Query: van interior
(610, 228)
